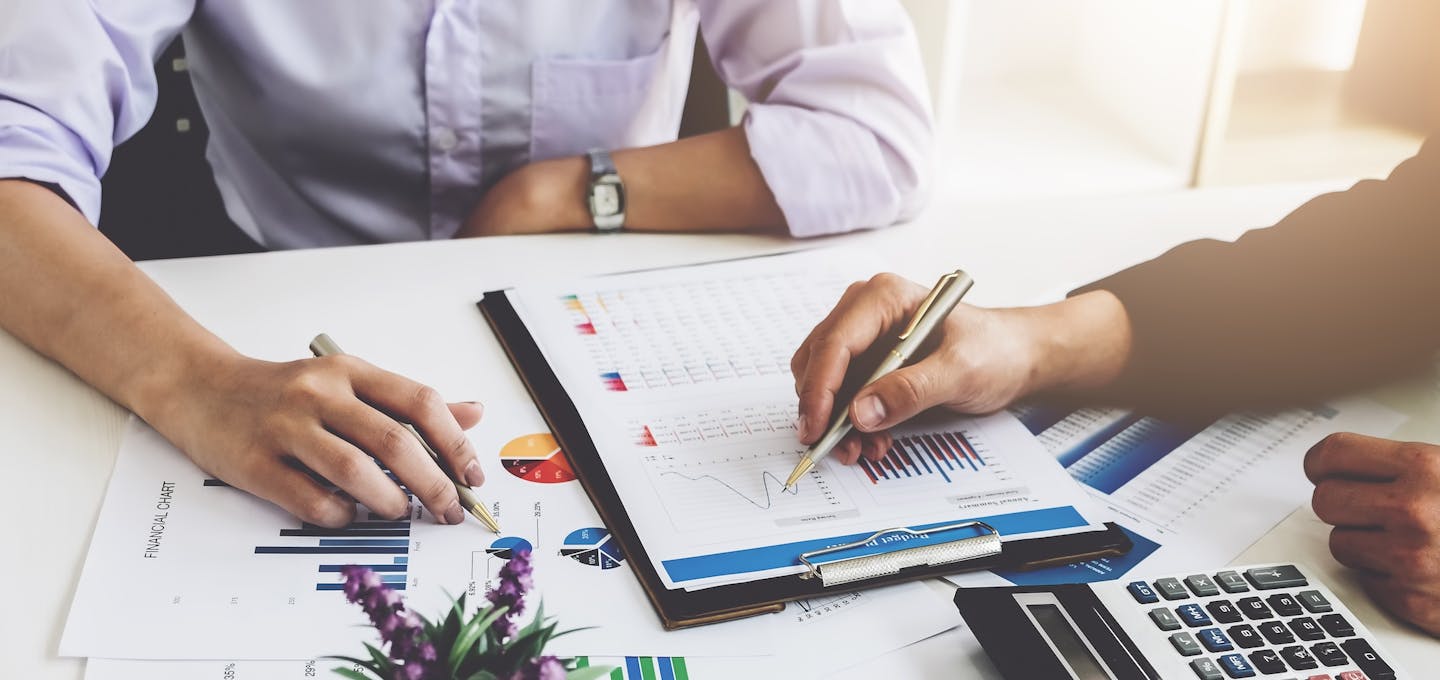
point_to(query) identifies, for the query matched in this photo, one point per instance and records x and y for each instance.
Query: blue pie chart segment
(593, 546)
(505, 547)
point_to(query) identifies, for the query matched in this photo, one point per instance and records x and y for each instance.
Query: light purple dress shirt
(338, 122)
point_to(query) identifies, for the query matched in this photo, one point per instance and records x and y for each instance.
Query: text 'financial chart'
(382, 545)
(696, 333)
(710, 490)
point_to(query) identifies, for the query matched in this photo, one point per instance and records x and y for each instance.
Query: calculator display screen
(1066, 641)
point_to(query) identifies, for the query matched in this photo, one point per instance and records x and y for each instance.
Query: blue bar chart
(382, 545)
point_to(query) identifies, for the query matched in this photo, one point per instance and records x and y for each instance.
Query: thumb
(467, 413)
(899, 396)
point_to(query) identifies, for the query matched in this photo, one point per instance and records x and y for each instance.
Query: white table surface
(410, 308)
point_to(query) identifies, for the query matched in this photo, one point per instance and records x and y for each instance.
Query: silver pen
(321, 346)
(928, 316)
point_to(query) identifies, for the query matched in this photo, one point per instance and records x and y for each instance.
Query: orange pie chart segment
(537, 458)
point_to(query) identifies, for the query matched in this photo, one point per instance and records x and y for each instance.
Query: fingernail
(473, 475)
(869, 413)
(804, 426)
(454, 515)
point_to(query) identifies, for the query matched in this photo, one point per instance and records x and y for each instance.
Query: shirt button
(443, 139)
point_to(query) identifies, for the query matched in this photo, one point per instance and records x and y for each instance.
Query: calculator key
(1365, 657)
(1270, 578)
(1267, 661)
(1336, 625)
(1306, 629)
(1142, 592)
(1329, 654)
(1223, 612)
(1185, 644)
(1350, 675)
(1201, 585)
(1284, 604)
(1192, 615)
(1253, 608)
(1276, 633)
(1171, 589)
(1214, 640)
(1236, 666)
(1298, 658)
(1163, 619)
(1244, 636)
(1231, 582)
(1314, 602)
(1206, 669)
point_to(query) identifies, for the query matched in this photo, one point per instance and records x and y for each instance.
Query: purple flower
(401, 628)
(514, 583)
(540, 668)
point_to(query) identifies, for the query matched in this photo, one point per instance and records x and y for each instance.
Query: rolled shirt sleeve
(77, 78)
(839, 120)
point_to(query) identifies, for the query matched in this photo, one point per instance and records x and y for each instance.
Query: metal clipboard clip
(851, 569)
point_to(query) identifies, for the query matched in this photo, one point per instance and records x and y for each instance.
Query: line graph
(714, 490)
(766, 480)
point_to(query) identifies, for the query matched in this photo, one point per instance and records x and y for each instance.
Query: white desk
(410, 308)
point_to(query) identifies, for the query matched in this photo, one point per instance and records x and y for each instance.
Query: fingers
(397, 448)
(420, 405)
(1342, 502)
(1357, 456)
(901, 395)
(1418, 605)
(467, 413)
(863, 315)
(353, 471)
(1363, 549)
(299, 495)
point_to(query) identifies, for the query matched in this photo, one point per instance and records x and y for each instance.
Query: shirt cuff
(35, 147)
(826, 171)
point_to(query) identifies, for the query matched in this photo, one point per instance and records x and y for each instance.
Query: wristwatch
(606, 196)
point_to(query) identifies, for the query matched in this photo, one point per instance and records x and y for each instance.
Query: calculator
(1261, 621)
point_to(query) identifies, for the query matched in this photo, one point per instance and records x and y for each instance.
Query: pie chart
(594, 546)
(537, 458)
(505, 547)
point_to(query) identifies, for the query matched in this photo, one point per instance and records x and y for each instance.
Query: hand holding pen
(983, 359)
(409, 467)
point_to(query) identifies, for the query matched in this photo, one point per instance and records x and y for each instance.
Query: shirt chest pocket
(583, 104)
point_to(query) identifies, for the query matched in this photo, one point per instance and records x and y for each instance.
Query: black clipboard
(680, 608)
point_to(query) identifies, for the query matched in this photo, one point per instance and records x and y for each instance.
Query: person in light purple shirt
(337, 122)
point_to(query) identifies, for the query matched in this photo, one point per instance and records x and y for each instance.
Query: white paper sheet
(179, 569)
(682, 378)
(878, 621)
(1188, 494)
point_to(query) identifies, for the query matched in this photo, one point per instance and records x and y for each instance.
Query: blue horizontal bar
(328, 542)
(341, 586)
(402, 560)
(337, 550)
(353, 533)
(392, 578)
(335, 568)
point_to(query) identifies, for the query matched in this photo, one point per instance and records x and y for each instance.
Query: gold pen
(932, 311)
(321, 346)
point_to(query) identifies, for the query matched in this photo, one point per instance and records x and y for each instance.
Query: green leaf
(589, 673)
(482, 675)
(350, 673)
(472, 632)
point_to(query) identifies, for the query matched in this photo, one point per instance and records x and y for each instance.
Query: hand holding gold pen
(321, 346)
(928, 317)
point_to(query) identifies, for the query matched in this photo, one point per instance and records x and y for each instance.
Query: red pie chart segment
(537, 458)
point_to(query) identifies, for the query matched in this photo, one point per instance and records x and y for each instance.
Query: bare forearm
(704, 183)
(74, 297)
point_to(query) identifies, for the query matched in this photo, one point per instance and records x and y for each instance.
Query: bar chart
(382, 545)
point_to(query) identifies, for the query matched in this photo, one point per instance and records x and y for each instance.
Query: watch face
(605, 200)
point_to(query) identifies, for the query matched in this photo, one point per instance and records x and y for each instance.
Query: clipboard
(976, 546)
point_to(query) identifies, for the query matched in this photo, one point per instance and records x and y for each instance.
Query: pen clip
(929, 300)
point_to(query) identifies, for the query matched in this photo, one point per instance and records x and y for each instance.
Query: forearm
(74, 297)
(1337, 296)
(704, 183)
